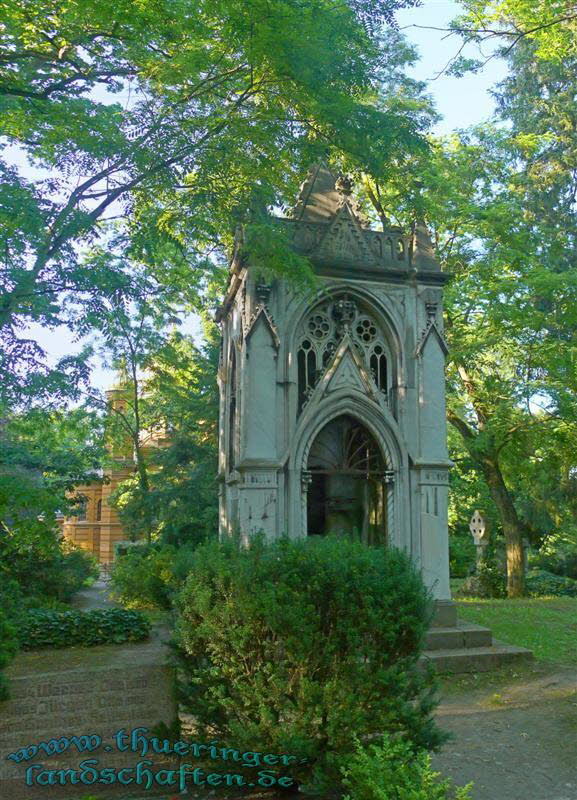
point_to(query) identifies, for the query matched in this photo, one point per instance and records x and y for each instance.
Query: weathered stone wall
(134, 689)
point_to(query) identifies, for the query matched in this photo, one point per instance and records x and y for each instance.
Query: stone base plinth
(454, 646)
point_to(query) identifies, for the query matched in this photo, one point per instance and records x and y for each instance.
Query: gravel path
(95, 596)
(516, 741)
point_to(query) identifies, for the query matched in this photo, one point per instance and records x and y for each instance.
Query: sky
(462, 102)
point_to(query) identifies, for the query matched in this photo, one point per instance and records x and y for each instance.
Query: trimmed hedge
(296, 646)
(39, 628)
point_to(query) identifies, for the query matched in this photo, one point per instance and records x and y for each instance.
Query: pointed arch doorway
(348, 490)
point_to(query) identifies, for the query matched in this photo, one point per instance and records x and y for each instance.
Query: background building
(98, 528)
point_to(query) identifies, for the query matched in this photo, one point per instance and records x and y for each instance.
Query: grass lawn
(546, 625)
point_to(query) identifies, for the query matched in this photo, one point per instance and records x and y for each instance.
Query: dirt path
(515, 736)
(95, 596)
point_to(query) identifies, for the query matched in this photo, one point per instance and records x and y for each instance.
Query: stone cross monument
(332, 413)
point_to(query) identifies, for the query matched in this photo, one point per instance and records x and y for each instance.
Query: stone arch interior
(347, 493)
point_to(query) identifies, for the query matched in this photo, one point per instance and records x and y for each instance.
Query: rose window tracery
(322, 332)
(319, 326)
(366, 330)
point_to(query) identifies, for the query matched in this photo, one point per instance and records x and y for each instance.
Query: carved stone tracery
(323, 330)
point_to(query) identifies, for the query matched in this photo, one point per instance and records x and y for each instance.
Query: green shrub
(489, 581)
(77, 568)
(39, 628)
(149, 576)
(142, 577)
(295, 646)
(391, 770)
(49, 569)
(558, 554)
(9, 598)
(540, 583)
(461, 556)
(493, 579)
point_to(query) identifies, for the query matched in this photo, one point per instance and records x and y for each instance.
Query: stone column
(306, 480)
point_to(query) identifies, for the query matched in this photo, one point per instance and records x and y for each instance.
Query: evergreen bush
(392, 770)
(296, 646)
(540, 583)
(142, 577)
(489, 581)
(47, 569)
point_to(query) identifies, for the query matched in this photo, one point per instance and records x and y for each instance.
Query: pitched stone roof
(318, 199)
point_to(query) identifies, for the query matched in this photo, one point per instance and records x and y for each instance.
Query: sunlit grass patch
(546, 625)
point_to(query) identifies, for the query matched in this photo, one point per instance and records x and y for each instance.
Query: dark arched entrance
(347, 493)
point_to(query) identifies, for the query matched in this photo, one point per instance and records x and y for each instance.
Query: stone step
(476, 659)
(462, 635)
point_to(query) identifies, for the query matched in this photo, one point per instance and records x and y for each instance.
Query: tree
(131, 326)
(161, 413)
(500, 204)
(166, 116)
(547, 26)
(181, 496)
(43, 456)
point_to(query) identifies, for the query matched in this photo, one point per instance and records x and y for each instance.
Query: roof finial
(344, 185)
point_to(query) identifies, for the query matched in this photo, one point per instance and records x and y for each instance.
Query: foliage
(549, 25)
(44, 454)
(488, 581)
(44, 567)
(499, 201)
(323, 634)
(541, 583)
(178, 501)
(468, 491)
(150, 576)
(391, 770)
(142, 577)
(40, 628)
(546, 625)
(175, 120)
(558, 554)
(132, 328)
(9, 597)
(77, 568)
(461, 556)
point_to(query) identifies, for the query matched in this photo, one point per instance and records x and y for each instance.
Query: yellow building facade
(98, 528)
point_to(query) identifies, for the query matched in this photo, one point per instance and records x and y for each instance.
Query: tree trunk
(144, 486)
(513, 528)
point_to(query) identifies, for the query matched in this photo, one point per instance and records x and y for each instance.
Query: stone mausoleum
(332, 415)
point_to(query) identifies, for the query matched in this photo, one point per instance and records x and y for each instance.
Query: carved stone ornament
(344, 184)
(262, 291)
(479, 529)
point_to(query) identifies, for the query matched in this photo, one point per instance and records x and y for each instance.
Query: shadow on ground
(515, 733)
